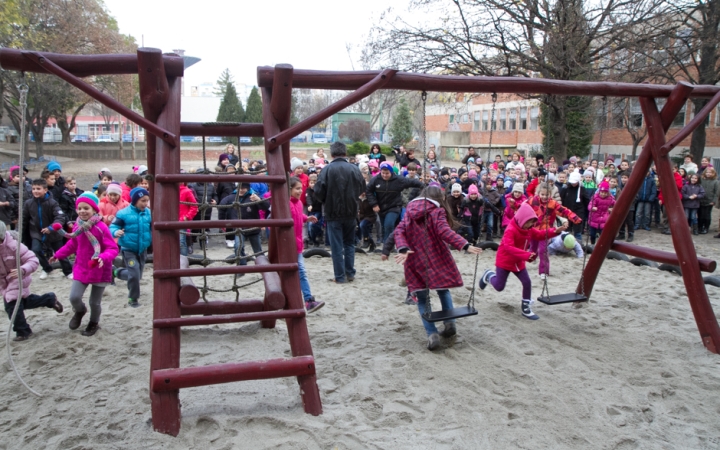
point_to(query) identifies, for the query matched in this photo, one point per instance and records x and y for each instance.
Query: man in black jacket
(338, 187)
(384, 193)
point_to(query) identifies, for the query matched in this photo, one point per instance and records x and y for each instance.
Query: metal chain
(428, 303)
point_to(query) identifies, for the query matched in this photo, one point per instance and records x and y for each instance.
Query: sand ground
(628, 370)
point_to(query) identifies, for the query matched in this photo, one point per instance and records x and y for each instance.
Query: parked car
(129, 138)
(104, 138)
(215, 139)
(81, 138)
(245, 140)
(187, 138)
(319, 138)
(298, 138)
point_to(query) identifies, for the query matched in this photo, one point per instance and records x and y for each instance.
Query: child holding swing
(422, 239)
(514, 252)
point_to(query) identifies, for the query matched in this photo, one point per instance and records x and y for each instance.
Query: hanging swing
(453, 313)
(558, 299)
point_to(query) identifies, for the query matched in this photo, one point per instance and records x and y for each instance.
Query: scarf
(84, 226)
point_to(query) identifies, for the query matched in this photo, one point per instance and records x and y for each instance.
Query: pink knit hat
(604, 186)
(472, 189)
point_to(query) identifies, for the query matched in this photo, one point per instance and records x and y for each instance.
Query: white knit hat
(574, 177)
(295, 163)
(518, 187)
(456, 188)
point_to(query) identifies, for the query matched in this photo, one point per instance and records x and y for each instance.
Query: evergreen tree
(579, 126)
(221, 84)
(231, 110)
(401, 127)
(253, 114)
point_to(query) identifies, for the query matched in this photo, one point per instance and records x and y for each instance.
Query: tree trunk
(636, 144)
(697, 143)
(64, 130)
(561, 137)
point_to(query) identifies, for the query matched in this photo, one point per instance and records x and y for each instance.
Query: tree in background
(231, 109)
(401, 126)
(253, 113)
(579, 123)
(223, 82)
(355, 130)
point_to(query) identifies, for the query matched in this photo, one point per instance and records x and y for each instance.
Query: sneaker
(43, 275)
(621, 237)
(543, 276)
(76, 320)
(629, 238)
(646, 228)
(411, 299)
(229, 244)
(69, 276)
(449, 330)
(58, 306)
(91, 329)
(311, 306)
(133, 303)
(527, 310)
(19, 338)
(485, 279)
(433, 342)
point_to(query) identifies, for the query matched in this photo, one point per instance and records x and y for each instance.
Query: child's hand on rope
(532, 257)
(400, 258)
(255, 198)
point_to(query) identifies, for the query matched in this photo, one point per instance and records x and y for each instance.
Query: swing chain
(428, 303)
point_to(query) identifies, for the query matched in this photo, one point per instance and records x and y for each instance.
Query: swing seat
(449, 314)
(562, 298)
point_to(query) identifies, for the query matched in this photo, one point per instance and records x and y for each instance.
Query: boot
(527, 310)
(621, 235)
(695, 229)
(630, 237)
(76, 320)
(91, 329)
(433, 341)
(489, 237)
(366, 243)
(703, 230)
(371, 245)
(449, 330)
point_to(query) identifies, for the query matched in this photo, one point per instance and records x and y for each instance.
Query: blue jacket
(136, 224)
(648, 190)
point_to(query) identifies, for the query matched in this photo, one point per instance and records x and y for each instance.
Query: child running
(111, 203)
(513, 253)
(422, 244)
(10, 286)
(600, 208)
(299, 219)
(132, 226)
(94, 250)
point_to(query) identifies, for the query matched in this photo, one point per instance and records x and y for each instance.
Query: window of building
(618, 114)
(512, 123)
(636, 116)
(534, 113)
(476, 121)
(465, 118)
(679, 120)
(452, 118)
(485, 115)
(523, 118)
(717, 117)
(503, 119)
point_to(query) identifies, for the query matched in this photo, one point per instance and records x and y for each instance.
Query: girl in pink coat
(299, 219)
(513, 200)
(10, 286)
(600, 208)
(94, 250)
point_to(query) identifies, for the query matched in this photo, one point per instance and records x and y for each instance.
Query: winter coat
(648, 190)
(366, 211)
(8, 213)
(223, 189)
(712, 190)
(467, 157)
(109, 210)
(513, 251)
(187, 212)
(429, 240)
(312, 201)
(67, 204)
(597, 219)
(617, 197)
(547, 212)
(512, 207)
(40, 213)
(692, 189)
(678, 184)
(136, 224)
(474, 209)
(570, 199)
(200, 190)
(379, 156)
(125, 192)
(557, 246)
(388, 194)
(296, 211)
(409, 195)
(9, 287)
(305, 181)
(82, 248)
(492, 196)
(403, 160)
(454, 204)
(247, 212)
(339, 187)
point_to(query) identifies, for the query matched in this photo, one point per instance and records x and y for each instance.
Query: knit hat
(295, 163)
(472, 174)
(89, 198)
(136, 194)
(431, 184)
(3, 230)
(604, 186)
(518, 187)
(456, 188)
(573, 160)
(461, 171)
(472, 189)
(222, 157)
(386, 166)
(320, 162)
(471, 160)
(13, 169)
(574, 177)
(373, 163)
(54, 165)
(141, 169)
(569, 241)
(114, 188)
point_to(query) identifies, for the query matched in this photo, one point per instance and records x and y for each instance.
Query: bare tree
(562, 40)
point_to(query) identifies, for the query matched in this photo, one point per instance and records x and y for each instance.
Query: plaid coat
(431, 265)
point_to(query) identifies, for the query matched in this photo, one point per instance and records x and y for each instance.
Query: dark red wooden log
(228, 270)
(211, 178)
(188, 294)
(103, 98)
(674, 104)
(230, 318)
(682, 240)
(218, 307)
(705, 264)
(239, 223)
(243, 129)
(321, 79)
(281, 104)
(274, 297)
(87, 65)
(692, 125)
(154, 89)
(379, 82)
(166, 342)
(174, 379)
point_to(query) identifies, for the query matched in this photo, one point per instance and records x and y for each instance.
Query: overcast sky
(242, 35)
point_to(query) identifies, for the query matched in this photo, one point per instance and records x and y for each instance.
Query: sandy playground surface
(626, 371)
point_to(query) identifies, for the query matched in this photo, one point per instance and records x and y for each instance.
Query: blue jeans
(644, 211)
(389, 220)
(341, 234)
(183, 245)
(254, 243)
(692, 215)
(488, 218)
(366, 228)
(315, 229)
(445, 302)
(304, 283)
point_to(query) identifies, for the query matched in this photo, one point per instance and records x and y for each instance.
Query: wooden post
(166, 341)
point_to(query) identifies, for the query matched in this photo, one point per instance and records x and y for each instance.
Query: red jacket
(511, 208)
(431, 264)
(296, 211)
(512, 252)
(125, 192)
(678, 183)
(548, 212)
(187, 212)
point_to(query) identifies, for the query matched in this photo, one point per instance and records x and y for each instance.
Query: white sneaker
(543, 276)
(229, 244)
(43, 275)
(69, 277)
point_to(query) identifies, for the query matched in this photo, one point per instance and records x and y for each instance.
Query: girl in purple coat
(600, 208)
(94, 250)
(422, 239)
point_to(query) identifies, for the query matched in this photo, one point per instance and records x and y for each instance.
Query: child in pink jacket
(296, 211)
(600, 208)
(10, 287)
(94, 250)
(112, 203)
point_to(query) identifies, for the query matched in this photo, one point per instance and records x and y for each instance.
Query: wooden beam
(691, 126)
(219, 129)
